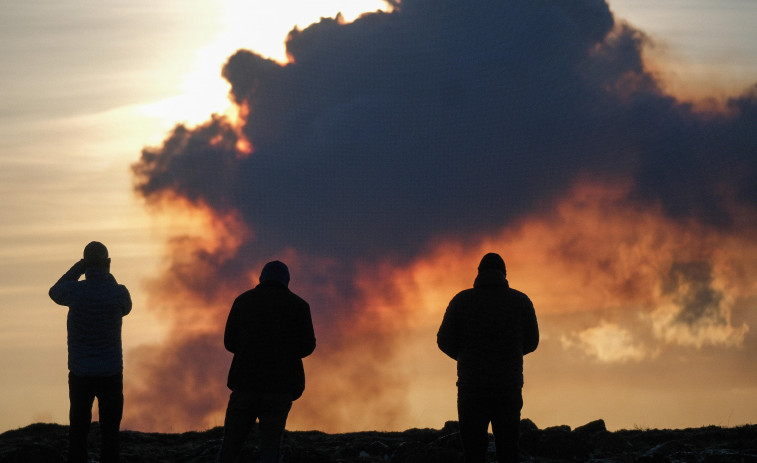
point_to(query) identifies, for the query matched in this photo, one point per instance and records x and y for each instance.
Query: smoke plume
(388, 154)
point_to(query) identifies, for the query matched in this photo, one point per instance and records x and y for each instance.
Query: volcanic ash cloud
(441, 129)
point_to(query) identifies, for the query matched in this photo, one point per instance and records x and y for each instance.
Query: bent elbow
(308, 349)
(447, 348)
(56, 295)
(532, 345)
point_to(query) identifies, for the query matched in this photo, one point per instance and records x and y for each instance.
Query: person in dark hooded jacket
(269, 331)
(488, 329)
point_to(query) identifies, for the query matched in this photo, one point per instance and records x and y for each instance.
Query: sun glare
(256, 26)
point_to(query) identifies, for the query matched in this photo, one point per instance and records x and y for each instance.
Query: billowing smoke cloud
(389, 153)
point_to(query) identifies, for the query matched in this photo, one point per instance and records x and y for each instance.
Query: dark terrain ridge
(47, 443)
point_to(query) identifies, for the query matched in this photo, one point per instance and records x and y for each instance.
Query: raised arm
(59, 292)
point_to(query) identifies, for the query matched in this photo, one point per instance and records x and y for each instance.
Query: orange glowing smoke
(597, 262)
(178, 385)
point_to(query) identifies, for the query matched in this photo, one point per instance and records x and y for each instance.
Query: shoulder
(465, 293)
(119, 288)
(264, 293)
(517, 293)
(463, 297)
(245, 296)
(248, 293)
(521, 296)
(297, 303)
(298, 299)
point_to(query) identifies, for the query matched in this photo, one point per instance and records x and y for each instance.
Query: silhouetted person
(488, 329)
(269, 331)
(95, 358)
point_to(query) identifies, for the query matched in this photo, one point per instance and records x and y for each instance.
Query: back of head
(96, 255)
(492, 261)
(275, 271)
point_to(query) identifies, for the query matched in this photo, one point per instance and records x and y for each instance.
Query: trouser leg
(274, 410)
(81, 397)
(474, 426)
(240, 418)
(110, 400)
(506, 426)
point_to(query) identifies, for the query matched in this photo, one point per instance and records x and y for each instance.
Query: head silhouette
(275, 271)
(96, 255)
(492, 261)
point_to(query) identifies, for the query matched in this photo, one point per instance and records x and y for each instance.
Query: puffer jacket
(269, 331)
(96, 306)
(488, 329)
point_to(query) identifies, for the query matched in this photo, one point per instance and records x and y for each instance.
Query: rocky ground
(46, 443)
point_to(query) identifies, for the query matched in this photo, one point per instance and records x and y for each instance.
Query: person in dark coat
(96, 306)
(269, 331)
(488, 329)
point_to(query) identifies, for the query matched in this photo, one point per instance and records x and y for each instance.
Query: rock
(527, 425)
(379, 449)
(609, 443)
(450, 441)
(31, 453)
(451, 427)
(727, 456)
(558, 443)
(417, 452)
(593, 427)
(46, 443)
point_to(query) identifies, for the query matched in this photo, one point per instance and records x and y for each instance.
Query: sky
(606, 151)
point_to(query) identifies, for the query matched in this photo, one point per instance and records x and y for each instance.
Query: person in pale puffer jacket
(96, 306)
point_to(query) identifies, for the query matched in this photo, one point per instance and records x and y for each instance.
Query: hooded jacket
(488, 329)
(269, 331)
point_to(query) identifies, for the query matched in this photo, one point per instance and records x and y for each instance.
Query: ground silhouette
(47, 443)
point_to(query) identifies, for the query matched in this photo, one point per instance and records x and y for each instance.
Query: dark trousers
(271, 409)
(476, 411)
(82, 391)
